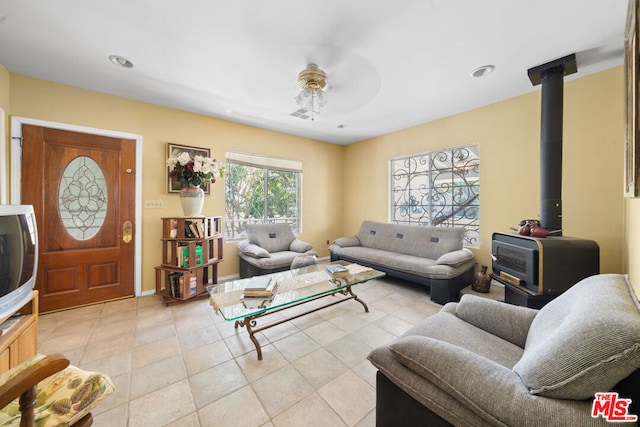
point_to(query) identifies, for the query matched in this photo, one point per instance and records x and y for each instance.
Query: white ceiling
(391, 64)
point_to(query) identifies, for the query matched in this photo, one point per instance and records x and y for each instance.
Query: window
(439, 188)
(261, 189)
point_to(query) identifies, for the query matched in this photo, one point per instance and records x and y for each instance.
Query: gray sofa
(432, 256)
(269, 248)
(482, 362)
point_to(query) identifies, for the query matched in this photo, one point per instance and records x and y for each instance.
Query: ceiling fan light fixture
(314, 84)
(482, 71)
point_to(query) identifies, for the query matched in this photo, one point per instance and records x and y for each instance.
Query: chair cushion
(271, 237)
(63, 398)
(585, 341)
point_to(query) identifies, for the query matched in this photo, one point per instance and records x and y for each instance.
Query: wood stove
(535, 270)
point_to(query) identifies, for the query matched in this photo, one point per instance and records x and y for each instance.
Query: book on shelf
(337, 271)
(183, 256)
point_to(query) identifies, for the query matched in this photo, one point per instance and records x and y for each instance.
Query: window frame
(266, 164)
(462, 161)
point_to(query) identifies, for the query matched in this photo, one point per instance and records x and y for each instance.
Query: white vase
(192, 199)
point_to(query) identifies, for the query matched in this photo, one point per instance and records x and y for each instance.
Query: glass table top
(294, 286)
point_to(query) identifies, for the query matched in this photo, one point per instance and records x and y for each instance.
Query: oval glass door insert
(82, 198)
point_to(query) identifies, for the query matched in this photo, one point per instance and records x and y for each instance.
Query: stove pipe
(551, 76)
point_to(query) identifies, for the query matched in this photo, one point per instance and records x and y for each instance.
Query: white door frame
(16, 172)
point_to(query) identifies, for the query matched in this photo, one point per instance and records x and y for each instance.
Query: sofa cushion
(271, 237)
(583, 342)
(252, 250)
(455, 258)
(421, 241)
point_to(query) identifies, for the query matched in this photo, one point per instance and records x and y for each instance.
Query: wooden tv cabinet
(20, 342)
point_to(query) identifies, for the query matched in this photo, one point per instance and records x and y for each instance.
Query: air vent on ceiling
(301, 114)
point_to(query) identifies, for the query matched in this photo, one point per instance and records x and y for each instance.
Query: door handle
(127, 231)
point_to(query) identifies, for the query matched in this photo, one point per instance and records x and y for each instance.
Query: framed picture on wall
(631, 74)
(173, 185)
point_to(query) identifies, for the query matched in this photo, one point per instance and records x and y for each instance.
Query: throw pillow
(585, 341)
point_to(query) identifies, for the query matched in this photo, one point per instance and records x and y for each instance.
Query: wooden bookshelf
(191, 252)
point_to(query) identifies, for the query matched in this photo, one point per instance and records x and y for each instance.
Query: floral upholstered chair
(47, 391)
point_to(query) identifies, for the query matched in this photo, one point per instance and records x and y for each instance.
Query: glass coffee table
(295, 288)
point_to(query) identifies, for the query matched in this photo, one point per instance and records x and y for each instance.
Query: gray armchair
(482, 362)
(269, 248)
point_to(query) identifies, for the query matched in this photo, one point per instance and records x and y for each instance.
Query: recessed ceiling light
(482, 71)
(121, 61)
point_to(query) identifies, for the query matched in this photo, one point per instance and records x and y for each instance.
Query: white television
(18, 257)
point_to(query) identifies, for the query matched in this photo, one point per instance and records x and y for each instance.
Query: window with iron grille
(260, 189)
(438, 188)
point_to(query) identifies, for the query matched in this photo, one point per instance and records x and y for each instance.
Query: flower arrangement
(194, 171)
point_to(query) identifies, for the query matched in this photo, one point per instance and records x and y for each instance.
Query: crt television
(18, 257)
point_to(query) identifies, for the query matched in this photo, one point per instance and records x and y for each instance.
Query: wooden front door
(82, 188)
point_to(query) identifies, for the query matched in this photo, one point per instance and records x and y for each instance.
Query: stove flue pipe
(551, 76)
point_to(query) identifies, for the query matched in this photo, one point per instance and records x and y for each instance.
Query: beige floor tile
(102, 349)
(281, 389)
(320, 367)
(239, 409)
(349, 350)
(64, 343)
(366, 371)
(393, 325)
(163, 406)
(254, 369)
(313, 411)
(149, 353)
(214, 383)
(190, 420)
(350, 397)
(116, 417)
(349, 322)
(115, 365)
(157, 375)
(199, 337)
(154, 333)
(325, 332)
(295, 346)
(374, 336)
(368, 421)
(206, 356)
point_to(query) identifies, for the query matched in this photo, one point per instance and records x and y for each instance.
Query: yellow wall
(508, 134)
(322, 162)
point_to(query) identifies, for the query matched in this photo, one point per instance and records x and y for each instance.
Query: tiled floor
(183, 365)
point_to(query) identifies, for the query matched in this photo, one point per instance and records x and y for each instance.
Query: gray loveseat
(482, 362)
(432, 256)
(269, 248)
